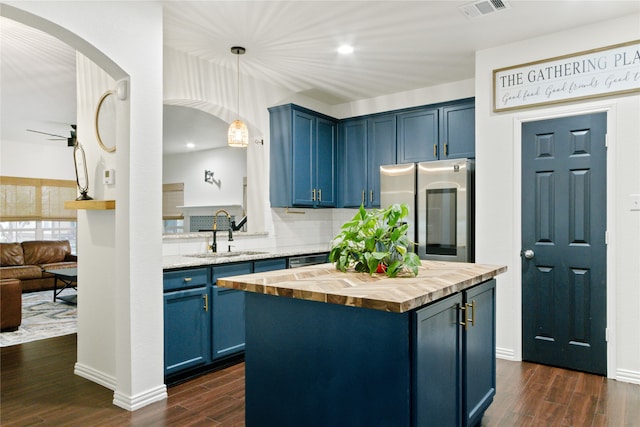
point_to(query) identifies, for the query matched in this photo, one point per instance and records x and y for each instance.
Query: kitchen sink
(226, 254)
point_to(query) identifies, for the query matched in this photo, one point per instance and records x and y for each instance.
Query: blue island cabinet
(318, 364)
(228, 315)
(454, 358)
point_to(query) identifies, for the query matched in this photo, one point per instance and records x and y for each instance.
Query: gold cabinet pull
(465, 309)
(371, 196)
(363, 197)
(205, 297)
(435, 150)
(473, 312)
(313, 195)
(319, 195)
(187, 279)
(464, 322)
(446, 148)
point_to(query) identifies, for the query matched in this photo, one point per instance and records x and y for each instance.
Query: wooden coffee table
(69, 277)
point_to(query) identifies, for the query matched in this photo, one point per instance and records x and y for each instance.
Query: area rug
(42, 318)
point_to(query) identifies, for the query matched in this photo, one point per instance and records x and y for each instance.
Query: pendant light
(238, 135)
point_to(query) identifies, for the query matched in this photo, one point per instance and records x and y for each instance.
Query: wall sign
(593, 73)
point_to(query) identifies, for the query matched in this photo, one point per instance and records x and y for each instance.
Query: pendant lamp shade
(238, 134)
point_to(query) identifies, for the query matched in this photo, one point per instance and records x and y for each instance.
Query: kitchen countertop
(324, 283)
(196, 260)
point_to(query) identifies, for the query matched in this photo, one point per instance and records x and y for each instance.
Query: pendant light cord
(238, 104)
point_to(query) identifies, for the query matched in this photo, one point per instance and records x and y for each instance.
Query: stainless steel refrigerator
(440, 195)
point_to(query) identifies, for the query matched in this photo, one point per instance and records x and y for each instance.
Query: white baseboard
(505, 353)
(627, 376)
(98, 377)
(132, 403)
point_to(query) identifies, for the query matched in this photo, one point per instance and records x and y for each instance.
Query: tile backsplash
(313, 227)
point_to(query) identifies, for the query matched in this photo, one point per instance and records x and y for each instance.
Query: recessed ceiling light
(190, 145)
(345, 49)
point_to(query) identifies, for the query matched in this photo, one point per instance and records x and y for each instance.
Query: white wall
(53, 160)
(124, 39)
(228, 164)
(498, 188)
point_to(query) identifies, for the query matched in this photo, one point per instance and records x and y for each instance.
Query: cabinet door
(186, 311)
(418, 136)
(280, 157)
(479, 352)
(381, 150)
(269, 265)
(353, 164)
(325, 163)
(303, 158)
(437, 376)
(459, 130)
(228, 312)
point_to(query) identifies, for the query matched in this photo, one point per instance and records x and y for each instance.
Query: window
(172, 202)
(33, 209)
(19, 231)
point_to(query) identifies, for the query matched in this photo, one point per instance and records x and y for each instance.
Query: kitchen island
(326, 348)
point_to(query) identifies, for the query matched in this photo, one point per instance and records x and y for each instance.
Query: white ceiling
(398, 45)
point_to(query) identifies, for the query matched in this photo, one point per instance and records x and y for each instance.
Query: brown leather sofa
(10, 305)
(27, 261)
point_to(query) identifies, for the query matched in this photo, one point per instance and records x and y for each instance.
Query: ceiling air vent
(483, 7)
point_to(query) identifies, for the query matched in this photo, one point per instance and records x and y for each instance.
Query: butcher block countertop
(324, 283)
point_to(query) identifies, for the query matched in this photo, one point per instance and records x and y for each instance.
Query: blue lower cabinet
(228, 312)
(479, 350)
(437, 361)
(269, 265)
(341, 365)
(187, 329)
(454, 358)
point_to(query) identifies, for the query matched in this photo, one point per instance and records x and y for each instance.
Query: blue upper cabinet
(353, 162)
(365, 144)
(437, 132)
(326, 155)
(418, 135)
(381, 150)
(458, 131)
(303, 157)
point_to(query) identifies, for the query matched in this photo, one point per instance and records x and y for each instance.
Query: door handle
(528, 254)
(205, 297)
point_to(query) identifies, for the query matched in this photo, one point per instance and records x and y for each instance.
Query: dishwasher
(304, 260)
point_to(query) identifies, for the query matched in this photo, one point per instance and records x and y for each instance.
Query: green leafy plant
(376, 241)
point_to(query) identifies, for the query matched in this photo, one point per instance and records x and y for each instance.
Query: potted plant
(376, 241)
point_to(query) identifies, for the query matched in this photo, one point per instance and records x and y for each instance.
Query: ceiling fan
(71, 141)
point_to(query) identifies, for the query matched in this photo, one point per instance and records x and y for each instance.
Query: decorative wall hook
(208, 176)
(259, 141)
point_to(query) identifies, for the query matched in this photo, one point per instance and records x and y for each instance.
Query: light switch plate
(109, 177)
(634, 203)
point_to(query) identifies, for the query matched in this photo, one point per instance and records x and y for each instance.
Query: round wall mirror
(106, 122)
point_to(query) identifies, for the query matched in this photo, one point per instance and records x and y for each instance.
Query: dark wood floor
(38, 387)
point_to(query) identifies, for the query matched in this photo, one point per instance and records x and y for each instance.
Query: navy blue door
(563, 242)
